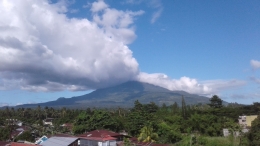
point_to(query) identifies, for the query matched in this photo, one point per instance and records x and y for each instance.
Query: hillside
(124, 95)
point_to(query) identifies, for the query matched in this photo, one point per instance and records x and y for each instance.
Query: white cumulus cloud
(41, 49)
(188, 84)
(98, 6)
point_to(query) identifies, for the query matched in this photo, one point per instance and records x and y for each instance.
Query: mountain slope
(124, 95)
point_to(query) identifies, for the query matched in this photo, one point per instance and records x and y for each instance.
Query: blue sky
(52, 49)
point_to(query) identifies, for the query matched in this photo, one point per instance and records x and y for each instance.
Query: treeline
(148, 122)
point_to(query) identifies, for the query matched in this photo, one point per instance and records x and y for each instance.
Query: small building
(100, 138)
(226, 133)
(250, 119)
(246, 121)
(97, 141)
(242, 121)
(14, 122)
(48, 121)
(61, 141)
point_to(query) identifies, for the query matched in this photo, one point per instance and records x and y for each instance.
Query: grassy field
(208, 141)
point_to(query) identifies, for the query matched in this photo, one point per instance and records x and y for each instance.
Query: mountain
(124, 95)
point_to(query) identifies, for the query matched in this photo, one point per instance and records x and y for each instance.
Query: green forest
(178, 125)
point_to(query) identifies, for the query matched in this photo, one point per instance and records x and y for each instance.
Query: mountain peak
(124, 95)
(135, 86)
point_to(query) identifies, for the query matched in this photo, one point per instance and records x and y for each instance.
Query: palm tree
(147, 135)
(38, 112)
(63, 112)
(7, 112)
(13, 112)
(46, 111)
(23, 111)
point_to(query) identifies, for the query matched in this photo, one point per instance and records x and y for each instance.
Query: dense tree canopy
(215, 102)
(147, 134)
(254, 133)
(149, 122)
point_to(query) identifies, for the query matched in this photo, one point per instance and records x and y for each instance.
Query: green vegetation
(254, 133)
(215, 102)
(147, 134)
(207, 141)
(4, 133)
(25, 136)
(200, 124)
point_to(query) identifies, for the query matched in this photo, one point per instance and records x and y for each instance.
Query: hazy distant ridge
(124, 95)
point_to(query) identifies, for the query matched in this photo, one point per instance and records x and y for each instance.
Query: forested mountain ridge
(124, 95)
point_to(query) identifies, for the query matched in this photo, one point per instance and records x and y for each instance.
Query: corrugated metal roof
(59, 141)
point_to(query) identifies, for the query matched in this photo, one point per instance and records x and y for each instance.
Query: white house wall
(85, 142)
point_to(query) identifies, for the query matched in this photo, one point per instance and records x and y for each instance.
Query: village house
(13, 122)
(61, 141)
(94, 138)
(245, 123)
(100, 138)
(48, 121)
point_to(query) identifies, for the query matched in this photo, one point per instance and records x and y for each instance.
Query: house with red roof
(100, 138)
(4, 143)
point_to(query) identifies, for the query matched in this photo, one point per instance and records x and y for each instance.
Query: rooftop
(100, 134)
(3, 143)
(59, 141)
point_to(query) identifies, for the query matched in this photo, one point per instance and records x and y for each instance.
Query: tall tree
(138, 106)
(183, 108)
(38, 112)
(175, 108)
(215, 102)
(100, 119)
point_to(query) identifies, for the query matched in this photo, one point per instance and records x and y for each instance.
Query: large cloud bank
(188, 84)
(41, 49)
